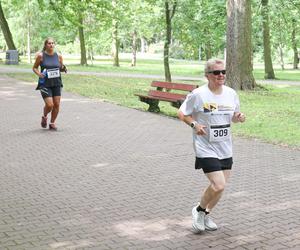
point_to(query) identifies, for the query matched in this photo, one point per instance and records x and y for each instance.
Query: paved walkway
(119, 178)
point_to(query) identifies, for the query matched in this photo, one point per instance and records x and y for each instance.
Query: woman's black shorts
(50, 91)
(213, 164)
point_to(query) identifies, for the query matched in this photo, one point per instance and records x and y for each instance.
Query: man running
(209, 110)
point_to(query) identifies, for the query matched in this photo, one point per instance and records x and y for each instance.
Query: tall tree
(139, 22)
(269, 71)
(170, 7)
(239, 48)
(29, 17)
(279, 36)
(83, 59)
(6, 31)
(134, 48)
(115, 38)
(294, 44)
(74, 12)
(199, 26)
(280, 47)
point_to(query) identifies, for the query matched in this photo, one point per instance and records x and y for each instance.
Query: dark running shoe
(52, 127)
(44, 122)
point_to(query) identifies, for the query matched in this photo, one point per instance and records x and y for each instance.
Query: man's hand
(200, 129)
(239, 117)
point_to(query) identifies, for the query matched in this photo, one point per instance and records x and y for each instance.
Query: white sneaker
(198, 220)
(209, 224)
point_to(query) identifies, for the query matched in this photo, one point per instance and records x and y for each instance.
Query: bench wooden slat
(167, 95)
(163, 96)
(159, 98)
(172, 85)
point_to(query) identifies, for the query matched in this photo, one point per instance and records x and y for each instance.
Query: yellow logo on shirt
(209, 107)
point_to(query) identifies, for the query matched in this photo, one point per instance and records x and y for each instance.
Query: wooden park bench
(163, 93)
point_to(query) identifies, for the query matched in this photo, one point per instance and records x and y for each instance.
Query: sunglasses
(218, 72)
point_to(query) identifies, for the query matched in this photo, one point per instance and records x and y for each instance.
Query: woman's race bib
(53, 73)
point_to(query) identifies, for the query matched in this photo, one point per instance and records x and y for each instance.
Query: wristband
(193, 124)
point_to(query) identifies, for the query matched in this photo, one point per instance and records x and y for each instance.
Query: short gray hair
(211, 62)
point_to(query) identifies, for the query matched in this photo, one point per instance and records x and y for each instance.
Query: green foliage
(141, 17)
(42, 23)
(281, 14)
(198, 25)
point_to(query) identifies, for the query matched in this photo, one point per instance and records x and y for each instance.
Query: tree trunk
(143, 45)
(83, 59)
(239, 48)
(281, 57)
(208, 53)
(281, 46)
(199, 53)
(169, 15)
(115, 44)
(28, 21)
(28, 43)
(294, 44)
(91, 54)
(115, 39)
(134, 48)
(269, 71)
(6, 31)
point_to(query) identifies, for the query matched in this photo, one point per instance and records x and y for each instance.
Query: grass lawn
(155, 67)
(273, 112)
(288, 74)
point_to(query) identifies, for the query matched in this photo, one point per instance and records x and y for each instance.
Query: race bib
(53, 73)
(219, 133)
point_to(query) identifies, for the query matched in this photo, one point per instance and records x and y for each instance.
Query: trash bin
(12, 57)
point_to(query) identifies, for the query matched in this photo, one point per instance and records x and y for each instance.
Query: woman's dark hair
(46, 41)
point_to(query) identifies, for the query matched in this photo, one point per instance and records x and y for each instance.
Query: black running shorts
(50, 91)
(213, 164)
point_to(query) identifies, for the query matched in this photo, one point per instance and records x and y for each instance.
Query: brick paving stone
(22, 246)
(119, 178)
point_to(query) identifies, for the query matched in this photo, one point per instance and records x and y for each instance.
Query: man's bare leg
(214, 191)
(214, 201)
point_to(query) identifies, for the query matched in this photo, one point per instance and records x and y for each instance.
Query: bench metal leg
(153, 106)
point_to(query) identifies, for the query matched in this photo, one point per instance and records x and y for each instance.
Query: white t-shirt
(215, 112)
